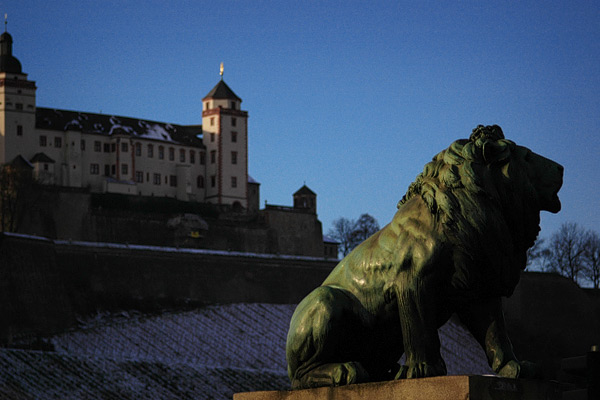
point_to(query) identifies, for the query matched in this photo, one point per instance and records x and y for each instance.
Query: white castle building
(114, 154)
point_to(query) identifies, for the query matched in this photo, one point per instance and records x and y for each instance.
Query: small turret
(305, 199)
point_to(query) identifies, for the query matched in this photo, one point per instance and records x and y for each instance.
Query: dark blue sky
(351, 97)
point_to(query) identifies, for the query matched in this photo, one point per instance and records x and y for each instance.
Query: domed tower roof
(8, 63)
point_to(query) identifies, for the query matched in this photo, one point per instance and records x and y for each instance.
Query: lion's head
(487, 193)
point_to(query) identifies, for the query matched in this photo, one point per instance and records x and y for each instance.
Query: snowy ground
(209, 353)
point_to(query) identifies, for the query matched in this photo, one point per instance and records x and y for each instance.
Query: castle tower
(225, 135)
(306, 200)
(17, 106)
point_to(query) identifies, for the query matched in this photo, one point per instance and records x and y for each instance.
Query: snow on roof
(103, 124)
(328, 239)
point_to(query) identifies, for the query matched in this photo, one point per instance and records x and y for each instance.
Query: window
(139, 176)
(107, 147)
(181, 155)
(19, 130)
(45, 167)
(94, 169)
(124, 169)
(212, 121)
(233, 119)
(124, 147)
(97, 146)
(161, 153)
(19, 106)
(138, 149)
(233, 182)
(206, 105)
(202, 158)
(82, 144)
(113, 169)
(200, 182)
(173, 180)
(106, 170)
(233, 107)
(234, 157)
(192, 156)
(234, 137)
(212, 137)
(58, 142)
(43, 141)
(150, 151)
(213, 181)
(171, 154)
(156, 179)
(113, 147)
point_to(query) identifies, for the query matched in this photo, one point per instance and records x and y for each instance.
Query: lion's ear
(494, 151)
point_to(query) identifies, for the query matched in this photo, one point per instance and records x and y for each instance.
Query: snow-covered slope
(208, 353)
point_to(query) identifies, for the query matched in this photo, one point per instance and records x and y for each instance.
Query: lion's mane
(484, 204)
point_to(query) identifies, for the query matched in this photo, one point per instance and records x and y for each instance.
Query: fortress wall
(45, 284)
(74, 214)
(33, 299)
(115, 277)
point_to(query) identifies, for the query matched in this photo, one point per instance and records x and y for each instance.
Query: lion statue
(457, 243)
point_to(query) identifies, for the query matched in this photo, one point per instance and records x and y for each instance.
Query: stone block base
(438, 388)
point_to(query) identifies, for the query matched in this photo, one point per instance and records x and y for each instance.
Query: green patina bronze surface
(457, 243)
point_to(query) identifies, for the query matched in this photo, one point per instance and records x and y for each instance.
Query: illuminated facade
(207, 162)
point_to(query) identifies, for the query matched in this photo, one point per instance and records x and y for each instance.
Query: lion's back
(406, 245)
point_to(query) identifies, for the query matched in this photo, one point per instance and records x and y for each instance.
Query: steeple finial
(221, 71)
(5, 22)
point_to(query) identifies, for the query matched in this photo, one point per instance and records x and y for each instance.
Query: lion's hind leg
(321, 342)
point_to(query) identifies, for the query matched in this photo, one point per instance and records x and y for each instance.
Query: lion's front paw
(523, 369)
(422, 370)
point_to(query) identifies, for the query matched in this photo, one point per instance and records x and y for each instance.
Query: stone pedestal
(439, 388)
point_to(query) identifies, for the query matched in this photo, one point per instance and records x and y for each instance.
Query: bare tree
(539, 257)
(365, 226)
(16, 187)
(351, 233)
(567, 247)
(591, 258)
(342, 232)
